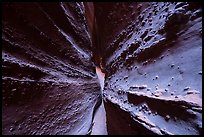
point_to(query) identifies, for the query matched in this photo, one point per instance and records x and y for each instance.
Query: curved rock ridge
(49, 81)
(152, 56)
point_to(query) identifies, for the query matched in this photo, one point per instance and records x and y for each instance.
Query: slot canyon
(101, 68)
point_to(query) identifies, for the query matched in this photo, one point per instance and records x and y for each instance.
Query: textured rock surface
(152, 56)
(49, 80)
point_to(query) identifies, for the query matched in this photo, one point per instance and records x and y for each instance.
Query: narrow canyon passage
(99, 122)
(149, 81)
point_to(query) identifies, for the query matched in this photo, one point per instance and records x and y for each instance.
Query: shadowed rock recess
(150, 52)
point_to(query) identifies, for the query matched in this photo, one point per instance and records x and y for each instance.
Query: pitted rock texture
(152, 56)
(49, 80)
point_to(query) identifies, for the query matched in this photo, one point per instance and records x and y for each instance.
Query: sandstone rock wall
(152, 56)
(49, 80)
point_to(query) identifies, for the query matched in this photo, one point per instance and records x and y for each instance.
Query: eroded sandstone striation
(49, 80)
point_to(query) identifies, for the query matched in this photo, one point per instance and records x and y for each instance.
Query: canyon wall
(48, 77)
(152, 56)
